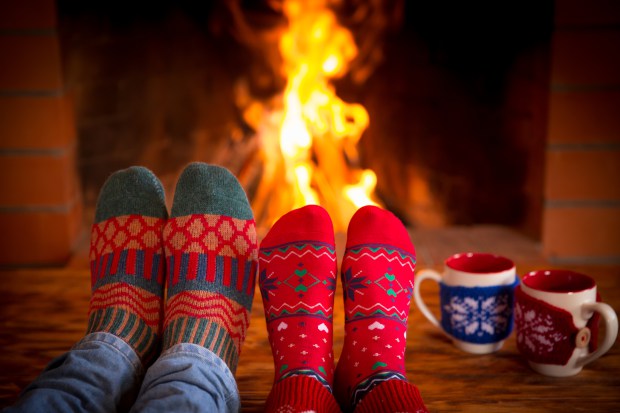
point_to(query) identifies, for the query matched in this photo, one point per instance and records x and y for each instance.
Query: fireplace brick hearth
(40, 206)
(581, 219)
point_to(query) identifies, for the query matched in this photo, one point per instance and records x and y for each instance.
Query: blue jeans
(102, 373)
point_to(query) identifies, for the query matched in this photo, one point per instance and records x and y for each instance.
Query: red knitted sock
(297, 280)
(377, 277)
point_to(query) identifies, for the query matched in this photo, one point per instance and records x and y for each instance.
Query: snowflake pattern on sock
(377, 275)
(298, 297)
(378, 286)
(297, 280)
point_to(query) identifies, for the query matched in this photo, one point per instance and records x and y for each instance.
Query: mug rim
(558, 281)
(486, 263)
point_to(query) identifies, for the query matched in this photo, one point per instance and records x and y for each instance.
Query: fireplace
(466, 104)
(456, 117)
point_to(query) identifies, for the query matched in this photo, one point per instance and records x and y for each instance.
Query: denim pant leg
(101, 373)
(188, 378)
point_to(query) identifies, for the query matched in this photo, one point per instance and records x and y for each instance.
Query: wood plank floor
(43, 313)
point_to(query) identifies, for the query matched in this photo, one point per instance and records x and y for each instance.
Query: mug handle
(421, 276)
(611, 331)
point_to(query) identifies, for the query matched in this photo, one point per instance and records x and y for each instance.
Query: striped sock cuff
(209, 319)
(392, 396)
(130, 313)
(307, 373)
(128, 326)
(301, 394)
(206, 333)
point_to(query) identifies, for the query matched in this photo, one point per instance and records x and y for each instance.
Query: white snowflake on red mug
(536, 330)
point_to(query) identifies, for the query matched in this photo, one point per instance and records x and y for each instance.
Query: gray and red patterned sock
(126, 260)
(211, 256)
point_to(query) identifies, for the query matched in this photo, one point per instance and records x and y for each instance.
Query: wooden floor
(43, 312)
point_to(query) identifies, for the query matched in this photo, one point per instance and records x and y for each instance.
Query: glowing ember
(314, 160)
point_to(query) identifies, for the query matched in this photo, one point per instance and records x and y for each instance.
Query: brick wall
(40, 206)
(581, 220)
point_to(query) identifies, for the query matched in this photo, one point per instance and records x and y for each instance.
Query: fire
(309, 135)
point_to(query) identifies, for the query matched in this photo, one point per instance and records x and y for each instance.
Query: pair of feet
(204, 254)
(297, 280)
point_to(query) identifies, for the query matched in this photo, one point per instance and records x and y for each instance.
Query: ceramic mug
(476, 299)
(556, 322)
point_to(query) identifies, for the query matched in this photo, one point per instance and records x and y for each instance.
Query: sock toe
(374, 225)
(308, 223)
(210, 189)
(135, 190)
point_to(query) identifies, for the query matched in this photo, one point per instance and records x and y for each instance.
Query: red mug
(555, 323)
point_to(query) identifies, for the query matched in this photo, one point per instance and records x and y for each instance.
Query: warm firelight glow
(359, 194)
(317, 161)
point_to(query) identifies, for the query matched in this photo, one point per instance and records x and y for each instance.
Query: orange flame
(318, 132)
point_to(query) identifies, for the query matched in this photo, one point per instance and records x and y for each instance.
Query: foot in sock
(211, 253)
(297, 279)
(126, 259)
(377, 276)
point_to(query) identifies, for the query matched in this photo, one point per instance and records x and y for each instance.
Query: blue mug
(476, 292)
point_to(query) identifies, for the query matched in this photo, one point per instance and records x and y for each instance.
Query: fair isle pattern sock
(377, 277)
(211, 252)
(126, 260)
(297, 267)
